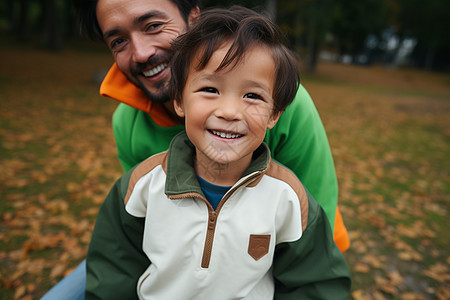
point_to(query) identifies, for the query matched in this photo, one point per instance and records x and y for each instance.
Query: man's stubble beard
(161, 93)
(162, 87)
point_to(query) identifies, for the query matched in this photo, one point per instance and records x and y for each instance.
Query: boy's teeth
(225, 135)
(155, 70)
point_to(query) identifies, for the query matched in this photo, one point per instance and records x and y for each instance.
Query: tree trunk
(311, 47)
(51, 34)
(11, 16)
(429, 60)
(23, 28)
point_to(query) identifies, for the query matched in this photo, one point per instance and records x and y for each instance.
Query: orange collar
(118, 87)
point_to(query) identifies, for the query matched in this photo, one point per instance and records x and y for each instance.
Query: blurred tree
(23, 26)
(9, 10)
(353, 21)
(429, 22)
(51, 31)
(50, 20)
(306, 23)
(310, 25)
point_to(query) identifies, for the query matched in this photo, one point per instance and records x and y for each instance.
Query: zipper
(213, 214)
(207, 250)
(212, 220)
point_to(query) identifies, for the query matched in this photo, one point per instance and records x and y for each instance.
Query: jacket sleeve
(311, 267)
(115, 259)
(299, 142)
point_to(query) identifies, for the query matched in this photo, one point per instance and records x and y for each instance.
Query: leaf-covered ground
(389, 131)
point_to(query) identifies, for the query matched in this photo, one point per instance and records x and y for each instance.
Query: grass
(388, 130)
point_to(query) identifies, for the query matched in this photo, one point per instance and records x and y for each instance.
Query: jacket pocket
(258, 245)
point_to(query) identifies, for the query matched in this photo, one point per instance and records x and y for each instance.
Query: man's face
(139, 34)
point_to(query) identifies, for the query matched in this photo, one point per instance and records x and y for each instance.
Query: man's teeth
(155, 70)
(225, 134)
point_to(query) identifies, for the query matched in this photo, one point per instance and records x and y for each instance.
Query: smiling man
(139, 34)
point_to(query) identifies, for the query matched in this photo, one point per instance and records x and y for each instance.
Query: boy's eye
(209, 90)
(253, 96)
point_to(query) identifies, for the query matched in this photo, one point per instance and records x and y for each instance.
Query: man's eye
(116, 43)
(253, 96)
(209, 90)
(152, 27)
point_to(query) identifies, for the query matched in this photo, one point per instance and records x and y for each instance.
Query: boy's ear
(194, 15)
(178, 105)
(273, 120)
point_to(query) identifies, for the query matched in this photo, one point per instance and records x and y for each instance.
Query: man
(139, 34)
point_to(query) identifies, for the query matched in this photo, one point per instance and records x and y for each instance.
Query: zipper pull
(212, 220)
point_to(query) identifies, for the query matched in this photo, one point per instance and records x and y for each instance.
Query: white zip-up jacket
(157, 237)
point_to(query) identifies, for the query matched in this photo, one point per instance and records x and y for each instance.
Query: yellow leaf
(361, 268)
(358, 295)
(20, 292)
(411, 296)
(372, 260)
(395, 278)
(58, 270)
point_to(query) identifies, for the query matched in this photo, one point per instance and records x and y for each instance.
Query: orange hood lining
(118, 87)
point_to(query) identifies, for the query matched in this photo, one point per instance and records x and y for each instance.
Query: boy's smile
(227, 112)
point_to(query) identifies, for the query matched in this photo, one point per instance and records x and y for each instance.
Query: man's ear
(273, 120)
(178, 105)
(193, 15)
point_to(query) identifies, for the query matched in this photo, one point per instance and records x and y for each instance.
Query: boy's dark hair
(87, 17)
(245, 28)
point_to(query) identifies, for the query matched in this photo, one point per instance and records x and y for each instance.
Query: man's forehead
(135, 7)
(114, 14)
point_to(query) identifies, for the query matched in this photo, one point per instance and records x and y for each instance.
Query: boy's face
(227, 112)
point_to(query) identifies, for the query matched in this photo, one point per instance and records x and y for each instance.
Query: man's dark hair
(244, 28)
(87, 17)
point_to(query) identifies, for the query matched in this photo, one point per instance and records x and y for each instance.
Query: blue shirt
(213, 193)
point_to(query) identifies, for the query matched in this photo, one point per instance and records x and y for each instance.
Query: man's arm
(115, 259)
(299, 142)
(311, 267)
(123, 122)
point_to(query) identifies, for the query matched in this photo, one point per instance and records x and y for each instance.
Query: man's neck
(168, 106)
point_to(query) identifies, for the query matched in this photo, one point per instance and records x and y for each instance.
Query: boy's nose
(230, 109)
(141, 50)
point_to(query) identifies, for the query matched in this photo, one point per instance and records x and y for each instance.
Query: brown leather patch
(258, 245)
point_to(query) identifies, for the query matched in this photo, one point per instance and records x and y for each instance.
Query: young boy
(214, 217)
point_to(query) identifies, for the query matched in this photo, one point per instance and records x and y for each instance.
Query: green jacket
(298, 141)
(157, 237)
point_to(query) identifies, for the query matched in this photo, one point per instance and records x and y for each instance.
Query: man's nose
(142, 50)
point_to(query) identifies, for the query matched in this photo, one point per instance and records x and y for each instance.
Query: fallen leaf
(358, 295)
(361, 268)
(58, 270)
(411, 296)
(20, 292)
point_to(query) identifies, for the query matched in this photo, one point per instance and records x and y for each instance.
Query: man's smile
(155, 70)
